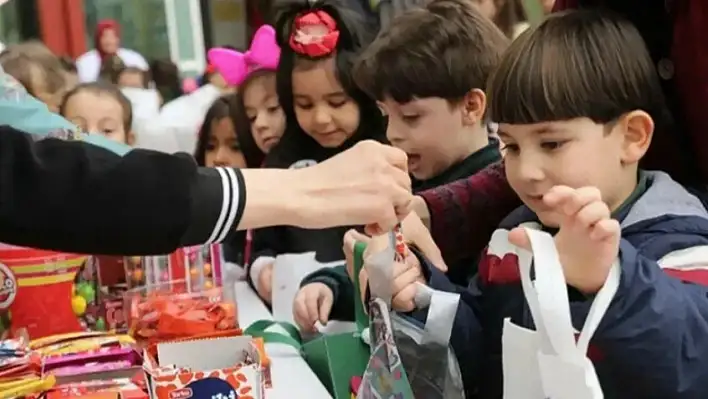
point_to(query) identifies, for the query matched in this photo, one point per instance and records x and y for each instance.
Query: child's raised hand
(313, 303)
(588, 238)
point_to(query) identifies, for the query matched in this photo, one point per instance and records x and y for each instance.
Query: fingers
(415, 230)
(518, 237)
(300, 313)
(395, 157)
(312, 303)
(584, 207)
(325, 307)
(404, 301)
(569, 201)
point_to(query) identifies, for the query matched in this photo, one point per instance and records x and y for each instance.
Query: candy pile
(160, 315)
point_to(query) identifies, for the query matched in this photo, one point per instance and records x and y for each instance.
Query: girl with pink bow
(253, 72)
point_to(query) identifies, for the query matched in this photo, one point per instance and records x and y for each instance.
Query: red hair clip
(315, 34)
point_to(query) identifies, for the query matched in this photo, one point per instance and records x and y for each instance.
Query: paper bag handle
(550, 289)
(360, 316)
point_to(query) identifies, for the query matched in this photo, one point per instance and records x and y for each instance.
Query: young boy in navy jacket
(577, 100)
(439, 121)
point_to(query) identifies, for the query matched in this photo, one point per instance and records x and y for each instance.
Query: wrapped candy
(160, 315)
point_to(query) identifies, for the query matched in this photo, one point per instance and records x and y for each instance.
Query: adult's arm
(463, 215)
(74, 196)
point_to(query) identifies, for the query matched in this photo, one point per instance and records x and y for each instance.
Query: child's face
(131, 79)
(222, 148)
(110, 42)
(574, 153)
(98, 113)
(323, 110)
(264, 112)
(433, 133)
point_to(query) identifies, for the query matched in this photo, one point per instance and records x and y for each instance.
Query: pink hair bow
(235, 67)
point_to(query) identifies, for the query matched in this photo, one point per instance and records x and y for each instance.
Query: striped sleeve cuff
(218, 202)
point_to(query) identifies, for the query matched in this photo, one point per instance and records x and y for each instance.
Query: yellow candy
(78, 305)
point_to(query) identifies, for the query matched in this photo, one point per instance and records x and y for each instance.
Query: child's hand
(312, 303)
(265, 283)
(588, 239)
(405, 278)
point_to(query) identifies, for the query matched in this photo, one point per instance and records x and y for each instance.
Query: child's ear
(474, 104)
(130, 138)
(638, 129)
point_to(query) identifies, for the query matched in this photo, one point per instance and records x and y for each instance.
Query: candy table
(292, 377)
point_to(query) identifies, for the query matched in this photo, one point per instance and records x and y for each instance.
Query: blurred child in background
(100, 108)
(38, 70)
(509, 15)
(133, 77)
(219, 144)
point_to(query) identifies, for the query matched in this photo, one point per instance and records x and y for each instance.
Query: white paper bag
(548, 363)
(288, 272)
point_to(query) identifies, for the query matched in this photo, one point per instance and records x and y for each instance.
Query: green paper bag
(334, 358)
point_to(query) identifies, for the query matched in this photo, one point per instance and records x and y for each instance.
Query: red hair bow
(315, 34)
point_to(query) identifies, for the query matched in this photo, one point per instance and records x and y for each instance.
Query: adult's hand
(417, 235)
(365, 185)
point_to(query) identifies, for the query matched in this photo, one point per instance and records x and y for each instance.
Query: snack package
(37, 293)
(158, 315)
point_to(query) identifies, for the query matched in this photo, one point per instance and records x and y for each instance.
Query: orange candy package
(164, 315)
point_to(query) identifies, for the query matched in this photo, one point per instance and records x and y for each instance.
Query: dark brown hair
(442, 50)
(576, 64)
(102, 88)
(23, 61)
(131, 69)
(111, 67)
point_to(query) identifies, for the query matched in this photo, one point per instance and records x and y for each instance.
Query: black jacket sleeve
(76, 197)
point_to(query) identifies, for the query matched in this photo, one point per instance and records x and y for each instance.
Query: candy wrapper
(229, 367)
(102, 360)
(164, 315)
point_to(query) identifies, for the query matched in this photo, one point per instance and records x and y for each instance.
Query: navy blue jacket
(653, 340)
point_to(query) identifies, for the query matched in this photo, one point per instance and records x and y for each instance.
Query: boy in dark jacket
(574, 132)
(430, 86)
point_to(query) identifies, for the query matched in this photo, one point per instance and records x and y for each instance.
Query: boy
(427, 71)
(577, 100)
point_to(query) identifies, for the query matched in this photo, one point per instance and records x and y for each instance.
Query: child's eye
(337, 104)
(273, 109)
(411, 118)
(304, 106)
(552, 145)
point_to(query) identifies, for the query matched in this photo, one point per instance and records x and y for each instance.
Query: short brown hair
(102, 88)
(576, 64)
(23, 61)
(444, 49)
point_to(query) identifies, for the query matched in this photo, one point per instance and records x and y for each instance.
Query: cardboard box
(208, 368)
